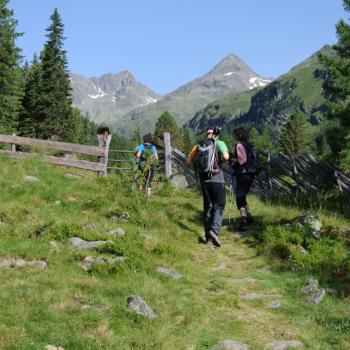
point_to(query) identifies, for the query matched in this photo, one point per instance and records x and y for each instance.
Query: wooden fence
(35, 144)
(283, 175)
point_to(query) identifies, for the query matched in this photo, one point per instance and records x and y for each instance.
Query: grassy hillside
(68, 306)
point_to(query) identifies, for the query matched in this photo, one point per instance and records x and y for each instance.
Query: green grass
(41, 308)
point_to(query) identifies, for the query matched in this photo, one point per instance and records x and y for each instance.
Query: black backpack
(252, 165)
(206, 159)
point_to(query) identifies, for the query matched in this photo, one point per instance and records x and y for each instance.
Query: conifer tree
(337, 88)
(28, 123)
(55, 115)
(10, 72)
(292, 141)
(167, 123)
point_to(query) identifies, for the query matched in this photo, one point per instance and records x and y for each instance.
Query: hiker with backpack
(245, 166)
(146, 166)
(207, 157)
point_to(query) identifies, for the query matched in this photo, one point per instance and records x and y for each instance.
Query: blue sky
(167, 43)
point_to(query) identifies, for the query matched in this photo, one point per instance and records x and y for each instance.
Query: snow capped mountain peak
(258, 82)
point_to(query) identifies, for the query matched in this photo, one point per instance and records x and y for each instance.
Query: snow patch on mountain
(151, 100)
(258, 82)
(100, 93)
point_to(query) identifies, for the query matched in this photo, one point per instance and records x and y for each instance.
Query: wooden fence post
(167, 150)
(338, 181)
(13, 146)
(103, 141)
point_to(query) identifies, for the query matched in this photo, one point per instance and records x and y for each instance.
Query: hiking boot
(242, 224)
(250, 219)
(209, 241)
(215, 238)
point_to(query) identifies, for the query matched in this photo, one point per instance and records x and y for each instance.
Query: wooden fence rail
(101, 152)
(309, 175)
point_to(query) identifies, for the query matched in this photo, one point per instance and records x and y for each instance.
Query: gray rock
(245, 280)
(125, 216)
(284, 345)
(29, 178)
(312, 221)
(169, 273)
(310, 286)
(252, 296)
(14, 262)
(179, 182)
(53, 347)
(93, 260)
(137, 304)
(230, 345)
(274, 304)
(72, 176)
(316, 297)
(72, 199)
(79, 243)
(117, 232)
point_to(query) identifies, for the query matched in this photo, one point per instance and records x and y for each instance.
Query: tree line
(35, 97)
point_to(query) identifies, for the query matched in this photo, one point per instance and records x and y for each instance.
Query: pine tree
(28, 123)
(55, 115)
(292, 140)
(10, 72)
(167, 123)
(337, 88)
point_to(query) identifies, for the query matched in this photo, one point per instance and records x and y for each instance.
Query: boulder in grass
(19, 262)
(118, 232)
(230, 345)
(179, 182)
(29, 178)
(275, 304)
(97, 260)
(284, 345)
(72, 176)
(78, 243)
(310, 286)
(316, 297)
(137, 305)
(53, 347)
(169, 273)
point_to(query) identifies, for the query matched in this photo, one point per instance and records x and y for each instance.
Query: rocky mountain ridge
(298, 90)
(107, 97)
(127, 104)
(231, 74)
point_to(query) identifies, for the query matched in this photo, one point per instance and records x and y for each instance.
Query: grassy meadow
(68, 306)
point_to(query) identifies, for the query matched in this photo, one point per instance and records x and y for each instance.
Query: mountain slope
(109, 96)
(229, 75)
(299, 89)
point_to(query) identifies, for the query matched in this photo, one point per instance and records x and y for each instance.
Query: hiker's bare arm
(138, 154)
(189, 161)
(225, 156)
